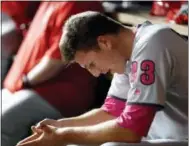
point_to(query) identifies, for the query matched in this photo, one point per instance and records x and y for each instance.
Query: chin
(118, 71)
(121, 72)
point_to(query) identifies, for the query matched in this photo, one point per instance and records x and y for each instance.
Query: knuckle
(46, 119)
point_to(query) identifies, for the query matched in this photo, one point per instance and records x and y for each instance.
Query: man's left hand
(48, 137)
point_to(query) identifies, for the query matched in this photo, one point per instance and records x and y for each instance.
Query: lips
(111, 71)
(104, 71)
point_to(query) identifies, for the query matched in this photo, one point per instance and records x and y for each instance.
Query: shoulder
(151, 33)
(151, 39)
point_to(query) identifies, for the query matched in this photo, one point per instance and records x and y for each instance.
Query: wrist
(58, 124)
(26, 83)
(62, 135)
(64, 123)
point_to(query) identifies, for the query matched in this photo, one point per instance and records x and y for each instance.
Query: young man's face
(102, 59)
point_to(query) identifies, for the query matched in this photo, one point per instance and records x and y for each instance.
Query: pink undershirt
(137, 118)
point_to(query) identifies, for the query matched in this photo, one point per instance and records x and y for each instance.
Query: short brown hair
(80, 32)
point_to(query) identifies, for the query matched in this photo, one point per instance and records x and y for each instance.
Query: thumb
(36, 130)
(48, 129)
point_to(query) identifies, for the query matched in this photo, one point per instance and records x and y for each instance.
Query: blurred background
(17, 17)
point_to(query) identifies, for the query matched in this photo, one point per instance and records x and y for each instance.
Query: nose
(94, 72)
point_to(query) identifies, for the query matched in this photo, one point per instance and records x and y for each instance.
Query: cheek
(120, 66)
(104, 62)
(109, 61)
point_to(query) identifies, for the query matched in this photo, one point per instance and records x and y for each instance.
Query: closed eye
(91, 65)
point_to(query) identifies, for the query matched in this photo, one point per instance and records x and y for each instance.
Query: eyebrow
(87, 66)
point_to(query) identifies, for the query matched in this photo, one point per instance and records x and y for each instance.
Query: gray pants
(20, 111)
(158, 142)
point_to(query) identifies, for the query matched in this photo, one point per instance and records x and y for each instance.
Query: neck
(125, 43)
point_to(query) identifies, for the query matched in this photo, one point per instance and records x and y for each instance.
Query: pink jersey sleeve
(137, 118)
(114, 106)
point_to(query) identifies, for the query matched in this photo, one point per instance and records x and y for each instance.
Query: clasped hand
(43, 135)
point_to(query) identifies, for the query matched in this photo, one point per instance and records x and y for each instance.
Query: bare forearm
(97, 134)
(46, 69)
(90, 118)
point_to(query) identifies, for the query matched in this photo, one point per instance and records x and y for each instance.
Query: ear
(104, 42)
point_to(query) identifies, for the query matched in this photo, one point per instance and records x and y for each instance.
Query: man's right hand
(50, 122)
(38, 129)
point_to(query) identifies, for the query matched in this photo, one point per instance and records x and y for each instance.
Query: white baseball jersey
(157, 75)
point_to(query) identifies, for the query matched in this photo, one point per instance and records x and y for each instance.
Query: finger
(33, 129)
(30, 138)
(32, 142)
(47, 128)
(44, 122)
(36, 130)
(29, 143)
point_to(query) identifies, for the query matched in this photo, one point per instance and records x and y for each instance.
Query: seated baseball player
(148, 97)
